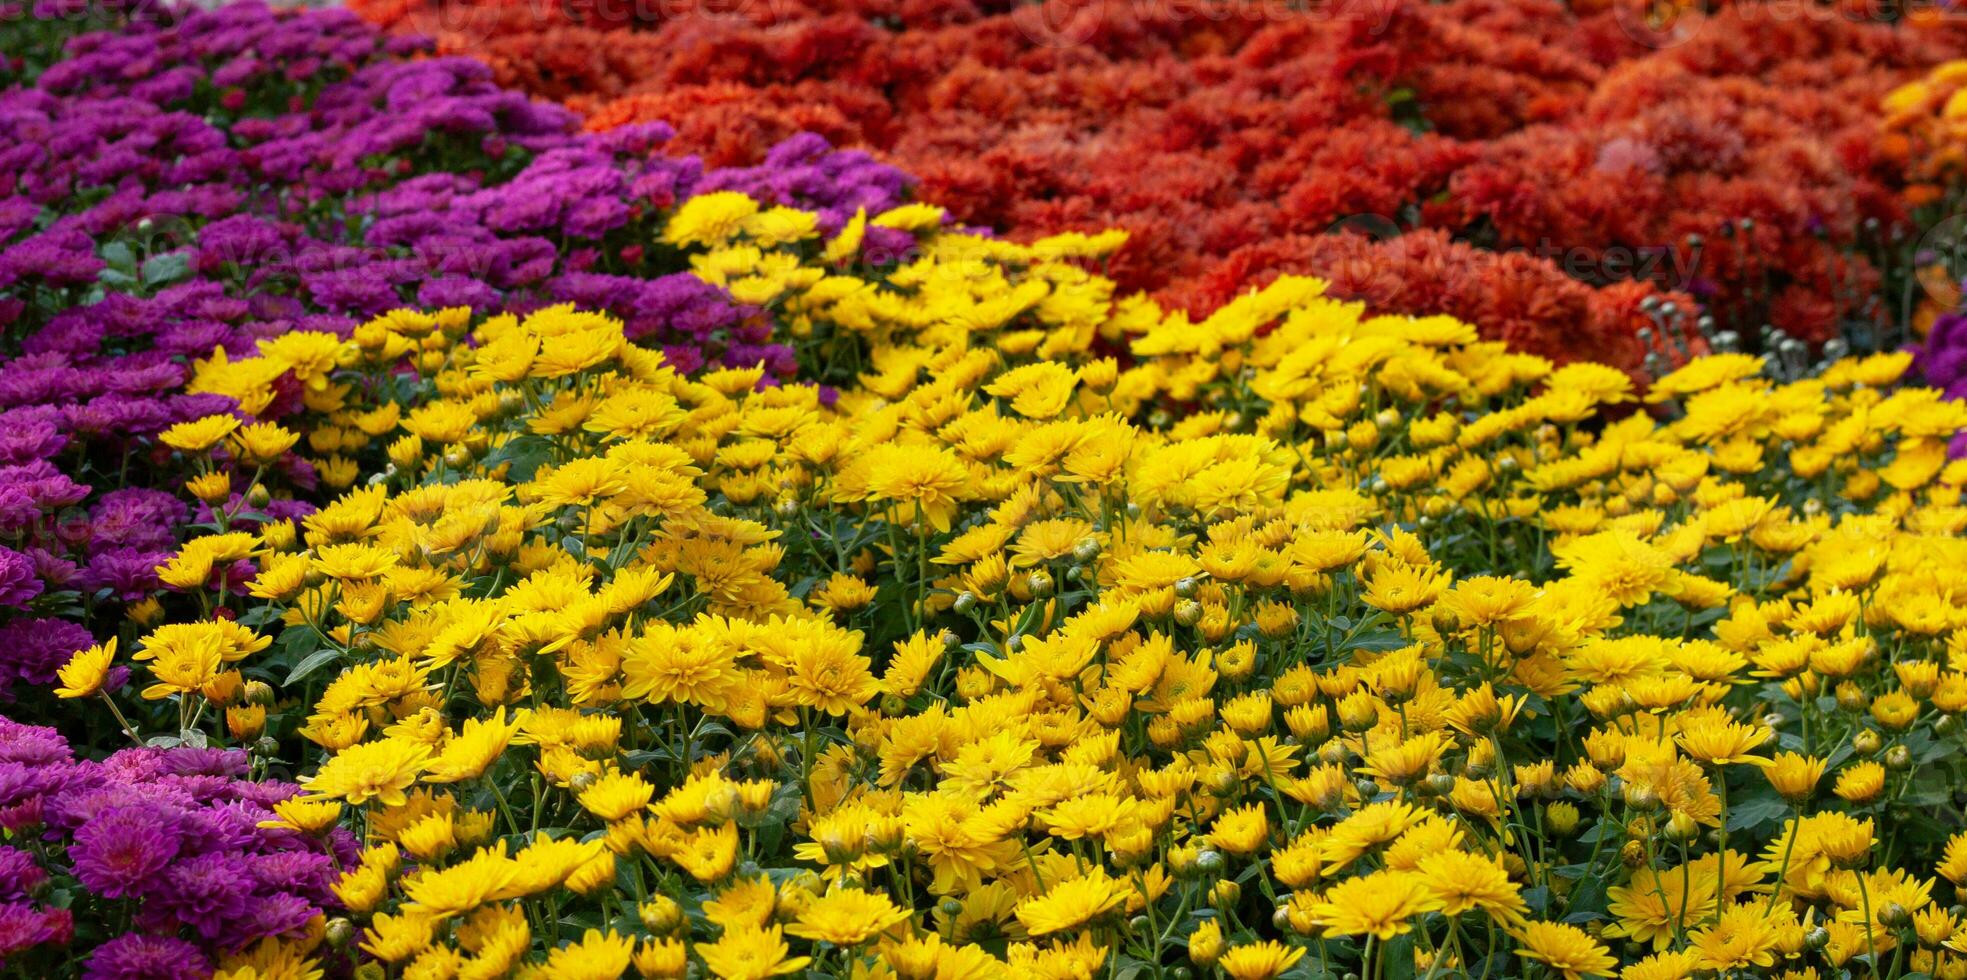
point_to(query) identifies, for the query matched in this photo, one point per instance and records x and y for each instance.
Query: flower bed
(1303, 638)
(1228, 138)
(152, 859)
(261, 174)
(514, 552)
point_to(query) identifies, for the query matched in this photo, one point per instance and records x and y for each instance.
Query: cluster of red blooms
(1550, 154)
(1763, 126)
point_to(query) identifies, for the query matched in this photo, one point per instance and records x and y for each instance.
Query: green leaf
(526, 454)
(162, 270)
(313, 662)
(1755, 812)
(259, 616)
(1605, 829)
(1587, 900)
(120, 257)
(1399, 958)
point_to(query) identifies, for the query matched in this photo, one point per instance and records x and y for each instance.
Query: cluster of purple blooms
(172, 837)
(397, 182)
(1943, 363)
(197, 179)
(110, 548)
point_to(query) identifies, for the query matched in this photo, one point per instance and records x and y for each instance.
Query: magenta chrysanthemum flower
(18, 582)
(122, 849)
(277, 914)
(32, 745)
(23, 927)
(209, 894)
(141, 957)
(19, 873)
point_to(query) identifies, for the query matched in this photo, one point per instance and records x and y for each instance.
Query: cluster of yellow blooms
(1924, 130)
(1074, 638)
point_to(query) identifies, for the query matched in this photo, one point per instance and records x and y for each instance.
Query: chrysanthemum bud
(1866, 742)
(1188, 612)
(1851, 697)
(1210, 861)
(1633, 854)
(1641, 797)
(661, 914)
(1682, 827)
(964, 603)
(1185, 861)
(1226, 892)
(1898, 758)
(1561, 818)
(339, 931)
(1041, 584)
(259, 693)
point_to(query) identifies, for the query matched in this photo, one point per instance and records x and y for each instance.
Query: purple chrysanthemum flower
(307, 873)
(140, 957)
(208, 894)
(122, 850)
(20, 874)
(38, 439)
(32, 745)
(127, 573)
(277, 914)
(32, 650)
(18, 583)
(23, 927)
